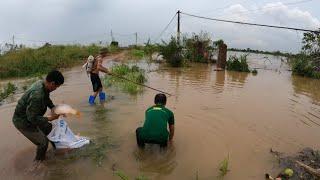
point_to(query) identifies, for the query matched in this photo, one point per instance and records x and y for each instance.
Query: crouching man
(157, 118)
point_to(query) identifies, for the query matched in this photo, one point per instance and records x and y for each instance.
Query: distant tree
(311, 43)
(218, 43)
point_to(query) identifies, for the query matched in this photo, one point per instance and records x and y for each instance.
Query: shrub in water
(235, 63)
(305, 66)
(172, 52)
(197, 46)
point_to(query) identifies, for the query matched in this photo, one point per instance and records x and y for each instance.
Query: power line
(250, 24)
(156, 39)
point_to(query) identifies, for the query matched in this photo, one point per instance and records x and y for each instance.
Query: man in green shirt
(154, 130)
(28, 116)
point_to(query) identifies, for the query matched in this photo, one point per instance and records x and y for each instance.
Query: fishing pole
(120, 77)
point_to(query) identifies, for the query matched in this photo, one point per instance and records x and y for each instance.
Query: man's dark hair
(56, 77)
(160, 99)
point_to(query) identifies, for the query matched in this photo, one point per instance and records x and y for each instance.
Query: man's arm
(33, 111)
(50, 104)
(101, 68)
(171, 129)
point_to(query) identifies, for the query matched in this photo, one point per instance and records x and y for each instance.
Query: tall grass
(133, 73)
(32, 62)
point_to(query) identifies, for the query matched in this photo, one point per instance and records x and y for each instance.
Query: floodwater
(218, 114)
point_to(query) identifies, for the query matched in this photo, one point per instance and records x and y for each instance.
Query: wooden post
(178, 28)
(136, 34)
(222, 57)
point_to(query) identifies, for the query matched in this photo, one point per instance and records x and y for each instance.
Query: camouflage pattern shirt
(32, 106)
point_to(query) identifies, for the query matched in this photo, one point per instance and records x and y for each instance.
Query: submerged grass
(133, 73)
(7, 91)
(32, 62)
(123, 176)
(224, 167)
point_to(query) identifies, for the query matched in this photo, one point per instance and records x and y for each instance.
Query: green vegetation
(113, 49)
(235, 63)
(10, 88)
(150, 48)
(172, 52)
(307, 63)
(197, 47)
(7, 91)
(136, 53)
(218, 43)
(134, 74)
(123, 176)
(224, 167)
(32, 62)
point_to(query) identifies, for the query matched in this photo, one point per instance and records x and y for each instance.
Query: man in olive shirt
(28, 116)
(154, 130)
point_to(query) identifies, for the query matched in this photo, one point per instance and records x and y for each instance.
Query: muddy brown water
(217, 113)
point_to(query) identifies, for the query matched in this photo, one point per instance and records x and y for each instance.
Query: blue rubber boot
(91, 100)
(102, 96)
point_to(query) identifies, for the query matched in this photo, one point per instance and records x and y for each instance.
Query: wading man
(94, 76)
(157, 118)
(28, 116)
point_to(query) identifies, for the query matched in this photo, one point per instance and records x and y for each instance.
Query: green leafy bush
(235, 63)
(172, 52)
(197, 46)
(305, 66)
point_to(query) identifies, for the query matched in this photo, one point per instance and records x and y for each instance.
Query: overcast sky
(84, 21)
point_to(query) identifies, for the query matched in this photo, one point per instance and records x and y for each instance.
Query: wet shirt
(155, 125)
(32, 106)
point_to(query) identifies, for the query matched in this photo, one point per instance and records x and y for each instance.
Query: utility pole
(13, 41)
(136, 38)
(112, 38)
(178, 28)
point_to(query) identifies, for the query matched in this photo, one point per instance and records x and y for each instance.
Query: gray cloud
(88, 21)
